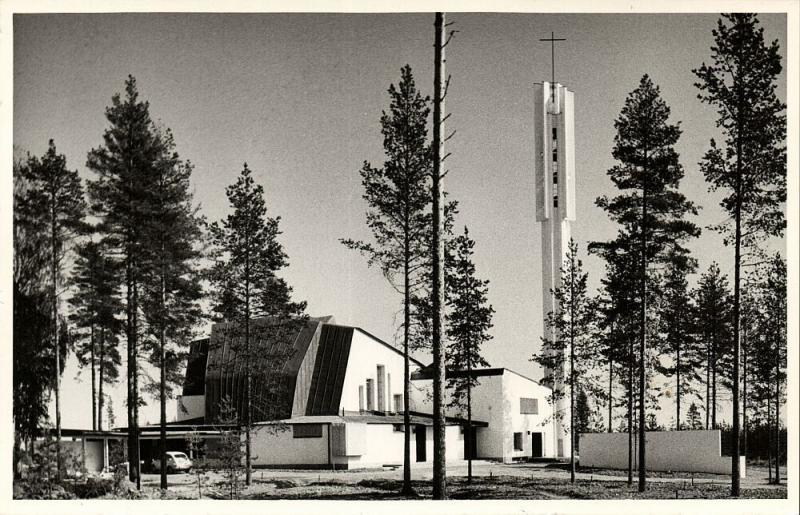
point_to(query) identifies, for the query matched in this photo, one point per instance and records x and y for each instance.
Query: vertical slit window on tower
(555, 201)
(555, 133)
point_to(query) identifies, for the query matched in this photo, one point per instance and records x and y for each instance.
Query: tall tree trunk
(777, 419)
(708, 386)
(94, 384)
(162, 387)
(56, 346)
(130, 364)
(137, 458)
(643, 346)
(630, 411)
(744, 394)
(769, 437)
(439, 427)
(407, 490)
(737, 263)
(248, 365)
(610, 392)
(101, 370)
(714, 351)
(678, 390)
(470, 434)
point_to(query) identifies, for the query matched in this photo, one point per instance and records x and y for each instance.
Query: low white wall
(271, 447)
(680, 451)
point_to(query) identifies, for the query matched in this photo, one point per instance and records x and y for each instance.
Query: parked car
(176, 462)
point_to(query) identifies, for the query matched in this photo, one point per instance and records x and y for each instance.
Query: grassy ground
(509, 487)
(492, 481)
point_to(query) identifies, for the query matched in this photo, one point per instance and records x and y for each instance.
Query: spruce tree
(398, 195)
(247, 257)
(693, 420)
(650, 209)
(53, 206)
(469, 322)
(750, 163)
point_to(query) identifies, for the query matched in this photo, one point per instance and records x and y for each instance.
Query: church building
(337, 402)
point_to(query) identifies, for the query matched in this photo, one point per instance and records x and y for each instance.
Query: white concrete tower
(554, 171)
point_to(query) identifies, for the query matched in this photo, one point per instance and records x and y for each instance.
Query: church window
(528, 406)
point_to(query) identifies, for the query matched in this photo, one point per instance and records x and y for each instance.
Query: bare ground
(490, 481)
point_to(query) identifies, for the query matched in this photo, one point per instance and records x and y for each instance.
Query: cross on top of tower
(552, 39)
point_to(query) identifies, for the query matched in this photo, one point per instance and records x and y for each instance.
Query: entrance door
(421, 447)
(470, 447)
(536, 445)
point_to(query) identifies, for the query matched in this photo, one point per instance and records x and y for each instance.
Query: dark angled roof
(274, 382)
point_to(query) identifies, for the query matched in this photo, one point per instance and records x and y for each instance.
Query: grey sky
(299, 97)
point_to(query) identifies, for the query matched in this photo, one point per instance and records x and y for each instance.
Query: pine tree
(96, 304)
(652, 210)
(247, 258)
(616, 307)
(573, 347)
(676, 320)
(398, 195)
(126, 166)
(619, 322)
(713, 327)
(53, 205)
(171, 277)
(469, 322)
(750, 163)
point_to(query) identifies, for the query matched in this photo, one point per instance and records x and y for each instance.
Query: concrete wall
(516, 387)
(681, 451)
(272, 447)
(190, 406)
(362, 364)
(93, 455)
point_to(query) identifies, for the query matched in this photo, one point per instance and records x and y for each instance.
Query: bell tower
(554, 172)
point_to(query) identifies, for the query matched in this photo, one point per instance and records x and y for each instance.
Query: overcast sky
(299, 97)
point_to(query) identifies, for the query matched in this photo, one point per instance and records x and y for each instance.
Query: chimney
(370, 395)
(381, 388)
